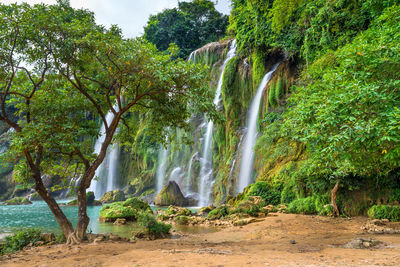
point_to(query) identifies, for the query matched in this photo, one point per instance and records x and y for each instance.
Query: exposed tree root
(73, 239)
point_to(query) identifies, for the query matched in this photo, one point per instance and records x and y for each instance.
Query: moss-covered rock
(171, 194)
(177, 211)
(17, 201)
(128, 210)
(90, 200)
(113, 196)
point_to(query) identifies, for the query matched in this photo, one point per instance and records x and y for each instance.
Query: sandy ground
(318, 242)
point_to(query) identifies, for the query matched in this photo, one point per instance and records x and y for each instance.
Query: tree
(346, 106)
(190, 26)
(59, 71)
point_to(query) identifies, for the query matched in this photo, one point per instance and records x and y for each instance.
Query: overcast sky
(130, 15)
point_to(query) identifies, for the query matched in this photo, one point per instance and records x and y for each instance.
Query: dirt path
(318, 242)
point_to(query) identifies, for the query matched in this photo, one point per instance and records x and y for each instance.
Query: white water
(246, 165)
(161, 168)
(188, 176)
(206, 171)
(107, 172)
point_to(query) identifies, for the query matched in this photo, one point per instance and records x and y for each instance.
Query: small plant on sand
(20, 240)
(151, 227)
(392, 213)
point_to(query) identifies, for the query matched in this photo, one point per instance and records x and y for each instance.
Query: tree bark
(83, 220)
(333, 199)
(61, 219)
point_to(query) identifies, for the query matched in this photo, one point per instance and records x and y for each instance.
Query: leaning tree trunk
(61, 219)
(333, 199)
(76, 236)
(83, 220)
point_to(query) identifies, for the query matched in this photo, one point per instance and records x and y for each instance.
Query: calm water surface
(38, 215)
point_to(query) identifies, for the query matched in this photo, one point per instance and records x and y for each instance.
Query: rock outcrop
(113, 196)
(17, 201)
(90, 201)
(171, 194)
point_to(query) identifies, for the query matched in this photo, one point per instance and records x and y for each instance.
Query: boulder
(113, 196)
(171, 194)
(17, 201)
(90, 200)
(128, 210)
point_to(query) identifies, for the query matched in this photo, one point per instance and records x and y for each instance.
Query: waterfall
(107, 172)
(188, 188)
(161, 168)
(206, 171)
(250, 139)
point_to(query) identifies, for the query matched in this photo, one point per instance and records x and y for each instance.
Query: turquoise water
(38, 215)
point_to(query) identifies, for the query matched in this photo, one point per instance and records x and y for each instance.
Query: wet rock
(113, 196)
(90, 200)
(171, 194)
(17, 201)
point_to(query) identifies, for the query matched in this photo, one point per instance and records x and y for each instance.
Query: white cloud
(130, 15)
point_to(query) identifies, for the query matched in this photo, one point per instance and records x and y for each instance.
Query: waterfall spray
(250, 139)
(206, 171)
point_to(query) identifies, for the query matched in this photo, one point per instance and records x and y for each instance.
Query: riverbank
(279, 239)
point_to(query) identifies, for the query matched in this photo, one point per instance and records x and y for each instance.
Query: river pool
(38, 215)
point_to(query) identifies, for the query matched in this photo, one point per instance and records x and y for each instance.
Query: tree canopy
(190, 26)
(60, 71)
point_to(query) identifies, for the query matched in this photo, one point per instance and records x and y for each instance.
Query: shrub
(181, 220)
(218, 213)
(151, 226)
(303, 206)
(20, 240)
(60, 238)
(266, 191)
(392, 213)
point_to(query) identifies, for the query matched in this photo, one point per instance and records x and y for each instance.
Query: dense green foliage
(266, 191)
(20, 239)
(307, 28)
(151, 226)
(347, 111)
(128, 209)
(392, 213)
(190, 26)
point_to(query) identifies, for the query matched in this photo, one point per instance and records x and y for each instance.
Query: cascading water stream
(161, 168)
(188, 188)
(246, 165)
(206, 171)
(107, 172)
